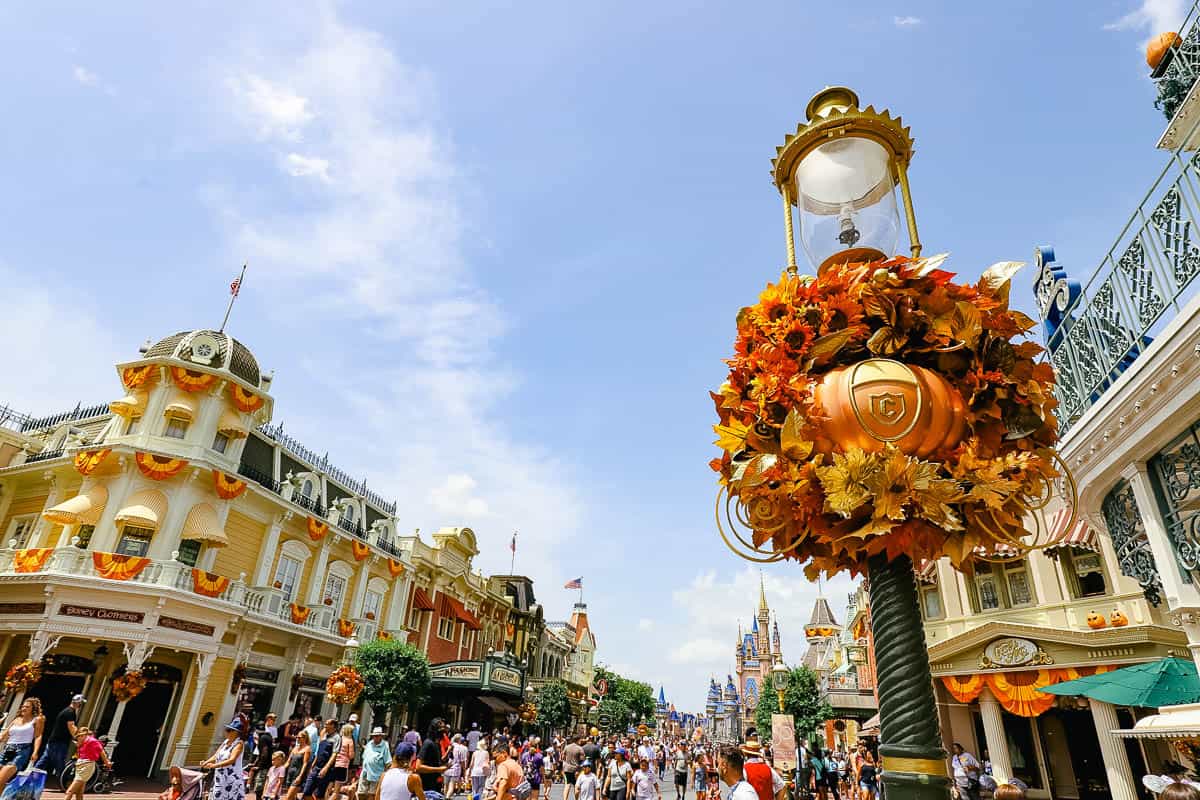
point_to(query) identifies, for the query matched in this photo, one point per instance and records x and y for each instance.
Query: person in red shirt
(767, 783)
(88, 752)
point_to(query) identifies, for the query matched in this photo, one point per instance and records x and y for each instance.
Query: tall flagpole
(234, 288)
(512, 565)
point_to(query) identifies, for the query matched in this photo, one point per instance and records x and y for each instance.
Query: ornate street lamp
(879, 413)
(779, 677)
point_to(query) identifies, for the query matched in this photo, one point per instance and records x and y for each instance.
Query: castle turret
(776, 650)
(821, 625)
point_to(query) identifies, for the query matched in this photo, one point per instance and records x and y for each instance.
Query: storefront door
(146, 717)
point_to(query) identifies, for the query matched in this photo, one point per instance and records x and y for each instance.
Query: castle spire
(762, 593)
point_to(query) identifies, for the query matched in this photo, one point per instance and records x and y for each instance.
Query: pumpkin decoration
(1118, 619)
(1158, 47)
(344, 685)
(881, 409)
(1096, 621)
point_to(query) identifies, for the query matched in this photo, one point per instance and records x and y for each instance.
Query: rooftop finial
(762, 592)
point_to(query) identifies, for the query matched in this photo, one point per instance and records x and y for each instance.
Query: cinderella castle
(731, 709)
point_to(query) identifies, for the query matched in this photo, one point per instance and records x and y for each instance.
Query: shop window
(132, 426)
(347, 515)
(189, 552)
(1085, 572)
(414, 618)
(308, 488)
(335, 590)
(371, 604)
(84, 534)
(220, 442)
(931, 602)
(287, 575)
(1000, 585)
(176, 428)
(20, 529)
(134, 541)
(445, 628)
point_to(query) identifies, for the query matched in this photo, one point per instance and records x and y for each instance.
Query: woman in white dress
(481, 768)
(229, 781)
(400, 782)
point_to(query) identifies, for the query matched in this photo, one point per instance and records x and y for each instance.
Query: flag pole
(232, 296)
(512, 564)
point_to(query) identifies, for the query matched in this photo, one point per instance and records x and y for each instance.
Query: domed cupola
(215, 350)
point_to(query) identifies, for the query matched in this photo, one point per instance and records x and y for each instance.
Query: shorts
(681, 779)
(366, 787)
(84, 770)
(337, 774)
(17, 754)
(569, 778)
(316, 785)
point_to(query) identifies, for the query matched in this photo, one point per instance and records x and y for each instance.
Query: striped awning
(1064, 534)
(421, 600)
(82, 509)
(203, 525)
(181, 407)
(231, 424)
(996, 551)
(927, 571)
(131, 405)
(453, 608)
(145, 509)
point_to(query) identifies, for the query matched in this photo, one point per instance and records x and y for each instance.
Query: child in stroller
(185, 784)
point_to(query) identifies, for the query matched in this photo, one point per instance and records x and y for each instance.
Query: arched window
(307, 490)
(347, 517)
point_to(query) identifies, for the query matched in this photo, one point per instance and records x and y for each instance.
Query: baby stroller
(186, 784)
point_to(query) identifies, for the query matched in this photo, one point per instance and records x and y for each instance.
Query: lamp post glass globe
(779, 677)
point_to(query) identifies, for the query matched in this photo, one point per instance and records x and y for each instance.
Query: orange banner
(299, 613)
(159, 467)
(963, 688)
(245, 401)
(134, 377)
(31, 560)
(116, 567)
(317, 530)
(191, 380)
(345, 628)
(383, 635)
(360, 549)
(227, 486)
(86, 461)
(208, 584)
(395, 567)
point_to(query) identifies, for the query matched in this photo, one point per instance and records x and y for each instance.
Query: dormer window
(132, 426)
(347, 517)
(176, 428)
(220, 442)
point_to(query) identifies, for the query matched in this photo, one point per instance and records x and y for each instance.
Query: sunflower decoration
(22, 675)
(344, 685)
(882, 408)
(129, 685)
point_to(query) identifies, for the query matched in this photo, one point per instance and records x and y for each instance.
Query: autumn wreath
(128, 686)
(22, 675)
(344, 685)
(882, 408)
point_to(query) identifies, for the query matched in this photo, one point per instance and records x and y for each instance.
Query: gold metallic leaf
(924, 266)
(753, 474)
(998, 276)
(792, 441)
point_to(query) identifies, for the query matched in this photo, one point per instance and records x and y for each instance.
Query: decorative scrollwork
(1128, 534)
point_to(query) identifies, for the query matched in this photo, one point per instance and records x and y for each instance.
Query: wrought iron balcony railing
(258, 476)
(1177, 73)
(322, 464)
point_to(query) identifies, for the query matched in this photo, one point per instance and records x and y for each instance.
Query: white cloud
(645, 624)
(456, 496)
(299, 166)
(906, 22)
(1152, 16)
(85, 76)
(276, 110)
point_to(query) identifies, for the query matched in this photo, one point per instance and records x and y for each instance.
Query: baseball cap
(405, 751)
(353, 718)
(78, 699)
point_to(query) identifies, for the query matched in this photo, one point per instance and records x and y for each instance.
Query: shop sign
(1014, 652)
(308, 682)
(506, 677)
(783, 742)
(22, 608)
(187, 626)
(461, 672)
(264, 675)
(89, 612)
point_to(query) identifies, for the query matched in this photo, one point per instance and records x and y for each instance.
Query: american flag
(575, 584)
(236, 286)
(513, 545)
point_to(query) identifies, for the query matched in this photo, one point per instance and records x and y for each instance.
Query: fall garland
(128, 686)
(344, 685)
(22, 675)
(239, 675)
(808, 491)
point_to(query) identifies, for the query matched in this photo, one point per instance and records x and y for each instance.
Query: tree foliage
(802, 699)
(395, 673)
(554, 705)
(626, 699)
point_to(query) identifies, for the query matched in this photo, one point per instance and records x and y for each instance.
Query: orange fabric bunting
(159, 467)
(963, 688)
(360, 549)
(134, 377)
(117, 567)
(384, 635)
(245, 401)
(317, 530)
(345, 628)
(208, 584)
(86, 461)
(191, 380)
(31, 560)
(227, 486)
(395, 567)
(1018, 691)
(299, 613)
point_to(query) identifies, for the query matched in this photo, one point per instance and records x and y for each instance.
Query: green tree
(554, 705)
(633, 696)
(801, 699)
(394, 674)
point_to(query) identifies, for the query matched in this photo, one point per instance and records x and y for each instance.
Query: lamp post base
(911, 754)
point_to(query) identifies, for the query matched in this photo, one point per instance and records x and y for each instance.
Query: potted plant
(370, 615)
(328, 601)
(278, 584)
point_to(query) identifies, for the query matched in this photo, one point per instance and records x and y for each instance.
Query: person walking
(617, 776)
(767, 783)
(21, 739)
(89, 751)
(645, 783)
(481, 769)
(62, 734)
(730, 768)
(229, 780)
(868, 776)
(966, 772)
(509, 775)
(299, 760)
(318, 779)
(264, 743)
(535, 768)
(375, 760)
(680, 763)
(587, 785)
(343, 757)
(572, 761)
(401, 781)
(431, 762)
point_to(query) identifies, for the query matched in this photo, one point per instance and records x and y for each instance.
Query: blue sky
(496, 249)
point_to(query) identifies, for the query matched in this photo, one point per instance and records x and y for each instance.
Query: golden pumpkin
(881, 401)
(1156, 48)
(1118, 619)
(1096, 621)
